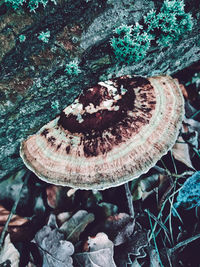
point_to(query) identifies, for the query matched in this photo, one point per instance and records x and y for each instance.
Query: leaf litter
(60, 226)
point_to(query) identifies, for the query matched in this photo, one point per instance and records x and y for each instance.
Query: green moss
(32, 4)
(22, 38)
(131, 43)
(44, 36)
(72, 68)
(170, 23)
(55, 105)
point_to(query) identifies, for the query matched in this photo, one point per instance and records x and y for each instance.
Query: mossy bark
(32, 73)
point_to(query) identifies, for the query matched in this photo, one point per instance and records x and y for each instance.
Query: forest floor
(59, 226)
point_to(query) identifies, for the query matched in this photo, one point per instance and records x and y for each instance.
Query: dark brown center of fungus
(102, 115)
(119, 102)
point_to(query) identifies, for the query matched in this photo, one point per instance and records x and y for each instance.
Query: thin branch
(184, 243)
(129, 200)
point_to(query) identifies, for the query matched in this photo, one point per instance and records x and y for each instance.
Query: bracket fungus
(112, 133)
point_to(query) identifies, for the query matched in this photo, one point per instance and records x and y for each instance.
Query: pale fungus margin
(114, 132)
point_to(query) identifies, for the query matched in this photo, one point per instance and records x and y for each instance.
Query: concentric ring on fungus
(112, 133)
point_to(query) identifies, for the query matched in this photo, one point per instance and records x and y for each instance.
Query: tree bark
(32, 75)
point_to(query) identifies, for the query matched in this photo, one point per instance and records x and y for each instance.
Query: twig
(184, 243)
(160, 169)
(182, 174)
(167, 172)
(194, 115)
(130, 201)
(12, 211)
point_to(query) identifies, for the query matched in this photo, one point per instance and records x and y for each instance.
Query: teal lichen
(72, 68)
(22, 38)
(32, 4)
(44, 36)
(189, 194)
(55, 105)
(131, 43)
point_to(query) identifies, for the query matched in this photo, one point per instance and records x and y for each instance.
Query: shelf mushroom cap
(112, 133)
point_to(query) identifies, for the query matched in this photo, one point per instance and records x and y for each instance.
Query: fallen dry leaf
(135, 263)
(57, 197)
(9, 252)
(118, 227)
(54, 249)
(189, 109)
(100, 254)
(148, 185)
(154, 259)
(184, 91)
(136, 189)
(63, 217)
(76, 225)
(15, 221)
(109, 209)
(180, 151)
(31, 200)
(193, 124)
(18, 226)
(134, 246)
(30, 264)
(182, 87)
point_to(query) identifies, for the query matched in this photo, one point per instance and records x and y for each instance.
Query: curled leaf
(57, 197)
(76, 225)
(134, 246)
(180, 152)
(54, 250)
(100, 254)
(119, 228)
(63, 217)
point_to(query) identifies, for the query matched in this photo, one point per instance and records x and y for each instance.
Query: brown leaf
(9, 252)
(18, 226)
(76, 225)
(184, 91)
(182, 87)
(101, 252)
(57, 197)
(15, 221)
(180, 152)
